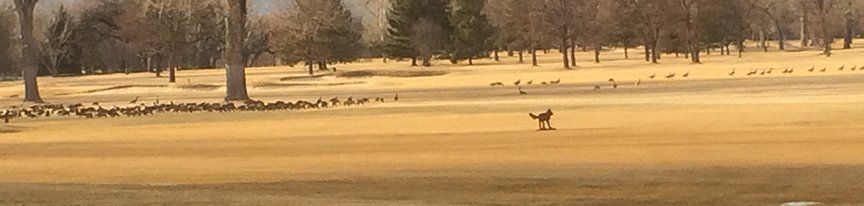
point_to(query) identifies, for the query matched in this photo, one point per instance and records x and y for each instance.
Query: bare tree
(235, 68)
(59, 36)
(30, 50)
(428, 38)
(822, 8)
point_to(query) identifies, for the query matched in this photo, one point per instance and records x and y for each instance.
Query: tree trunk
(496, 55)
(653, 53)
(804, 24)
(235, 68)
(850, 24)
(626, 54)
(695, 55)
(470, 61)
(564, 53)
(762, 42)
(573, 54)
(311, 67)
(427, 62)
(827, 38)
(413, 61)
(171, 70)
(30, 50)
(534, 58)
(597, 53)
(521, 59)
(781, 41)
(647, 52)
(533, 54)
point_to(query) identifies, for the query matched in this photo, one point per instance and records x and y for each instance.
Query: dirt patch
(280, 85)
(389, 73)
(114, 88)
(299, 78)
(203, 87)
(7, 130)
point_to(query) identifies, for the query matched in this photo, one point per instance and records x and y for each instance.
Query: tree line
(159, 36)
(426, 28)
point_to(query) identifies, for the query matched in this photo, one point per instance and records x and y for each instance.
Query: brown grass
(389, 73)
(709, 139)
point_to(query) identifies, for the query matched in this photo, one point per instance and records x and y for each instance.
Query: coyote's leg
(540, 124)
(549, 125)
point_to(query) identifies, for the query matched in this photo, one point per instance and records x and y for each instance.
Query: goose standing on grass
(652, 76)
(557, 81)
(841, 68)
(614, 84)
(517, 82)
(812, 69)
(134, 101)
(671, 75)
(686, 75)
(732, 73)
(522, 92)
(639, 82)
(770, 70)
(530, 82)
(396, 99)
(763, 72)
(854, 67)
(791, 70)
(823, 70)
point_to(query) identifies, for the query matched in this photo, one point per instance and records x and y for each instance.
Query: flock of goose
(673, 75)
(96, 111)
(518, 83)
(792, 70)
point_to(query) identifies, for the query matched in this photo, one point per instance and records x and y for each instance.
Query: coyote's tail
(533, 116)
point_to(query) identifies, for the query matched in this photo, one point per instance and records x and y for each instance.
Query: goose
(522, 92)
(671, 75)
(614, 84)
(763, 73)
(639, 82)
(732, 73)
(530, 82)
(823, 69)
(134, 101)
(557, 81)
(812, 69)
(854, 67)
(396, 99)
(770, 70)
(686, 74)
(517, 82)
(841, 68)
(652, 76)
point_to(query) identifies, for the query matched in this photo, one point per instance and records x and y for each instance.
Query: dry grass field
(709, 139)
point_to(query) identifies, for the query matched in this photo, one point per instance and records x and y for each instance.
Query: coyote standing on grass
(543, 119)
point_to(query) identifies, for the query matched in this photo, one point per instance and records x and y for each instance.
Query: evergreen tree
(472, 30)
(404, 15)
(319, 32)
